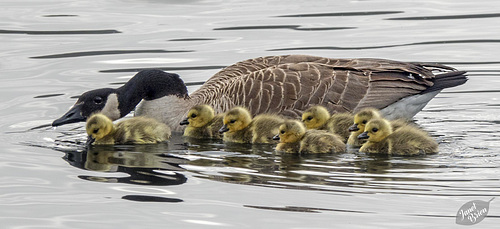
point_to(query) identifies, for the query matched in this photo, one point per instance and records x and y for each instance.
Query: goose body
(137, 130)
(317, 117)
(202, 123)
(239, 127)
(407, 140)
(285, 85)
(294, 138)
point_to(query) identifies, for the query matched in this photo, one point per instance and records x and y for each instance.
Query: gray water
(52, 51)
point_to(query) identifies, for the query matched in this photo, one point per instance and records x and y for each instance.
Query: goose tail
(447, 80)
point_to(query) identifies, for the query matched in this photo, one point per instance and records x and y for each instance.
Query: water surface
(53, 51)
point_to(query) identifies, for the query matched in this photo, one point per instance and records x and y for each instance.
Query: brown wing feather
(290, 84)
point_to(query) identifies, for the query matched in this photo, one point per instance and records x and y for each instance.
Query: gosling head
(315, 117)
(98, 126)
(199, 116)
(362, 117)
(376, 130)
(236, 119)
(290, 131)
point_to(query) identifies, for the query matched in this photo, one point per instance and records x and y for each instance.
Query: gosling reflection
(144, 164)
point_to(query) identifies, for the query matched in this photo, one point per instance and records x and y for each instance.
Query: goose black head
(116, 103)
(88, 103)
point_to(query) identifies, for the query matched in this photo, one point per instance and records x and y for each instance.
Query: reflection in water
(145, 164)
(257, 164)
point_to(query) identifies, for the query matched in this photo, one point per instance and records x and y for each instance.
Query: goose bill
(72, 116)
(184, 122)
(363, 135)
(354, 127)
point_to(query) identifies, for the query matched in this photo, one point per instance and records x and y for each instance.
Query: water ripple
(474, 41)
(106, 52)
(294, 27)
(344, 14)
(163, 68)
(448, 17)
(69, 32)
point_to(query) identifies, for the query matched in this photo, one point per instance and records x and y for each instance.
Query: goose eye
(309, 117)
(193, 116)
(232, 121)
(282, 132)
(374, 130)
(364, 121)
(95, 131)
(98, 100)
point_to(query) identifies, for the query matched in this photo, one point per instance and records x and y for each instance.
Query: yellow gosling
(318, 117)
(137, 130)
(202, 123)
(294, 138)
(239, 127)
(407, 140)
(360, 120)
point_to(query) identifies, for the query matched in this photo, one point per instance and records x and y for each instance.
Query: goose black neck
(149, 85)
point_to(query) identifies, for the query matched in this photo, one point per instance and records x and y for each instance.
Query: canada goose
(363, 117)
(239, 126)
(318, 117)
(294, 138)
(137, 130)
(202, 123)
(405, 141)
(284, 85)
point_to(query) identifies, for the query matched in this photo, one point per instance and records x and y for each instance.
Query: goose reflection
(144, 164)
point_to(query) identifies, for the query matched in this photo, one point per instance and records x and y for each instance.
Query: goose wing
(290, 84)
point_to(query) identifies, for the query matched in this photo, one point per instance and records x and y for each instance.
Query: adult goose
(286, 85)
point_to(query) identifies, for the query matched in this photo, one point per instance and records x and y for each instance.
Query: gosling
(137, 130)
(202, 123)
(360, 120)
(318, 117)
(239, 127)
(294, 138)
(407, 140)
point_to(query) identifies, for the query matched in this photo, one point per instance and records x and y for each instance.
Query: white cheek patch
(111, 107)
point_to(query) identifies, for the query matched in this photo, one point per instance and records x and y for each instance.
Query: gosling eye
(97, 100)
(374, 130)
(193, 116)
(95, 131)
(309, 118)
(282, 132)
(232, 121)
(364, 122)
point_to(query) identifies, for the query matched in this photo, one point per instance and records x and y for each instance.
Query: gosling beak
(90, 140)
(363, 135)
(223, 129)
(276, 137)
(354, 127)
(73, 115)
(184, 122)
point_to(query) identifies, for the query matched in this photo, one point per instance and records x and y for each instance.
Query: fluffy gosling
(360, 120)
(239, 127)
(294, 138)
(407, 140)
(202, 123)
(318, 117)
(137, 130)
